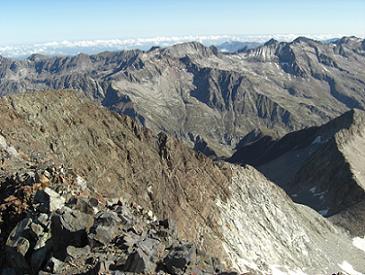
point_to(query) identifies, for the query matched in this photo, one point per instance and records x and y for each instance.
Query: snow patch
(359, 243)
(346, 267)
(282, 270)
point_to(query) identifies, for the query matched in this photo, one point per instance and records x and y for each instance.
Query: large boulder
(69, 227)
(28, 245)
(48, 200)
(107, 226)
(19, 235)
(139, 262)
(180, 257)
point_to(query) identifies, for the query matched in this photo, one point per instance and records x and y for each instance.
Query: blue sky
(29, 21)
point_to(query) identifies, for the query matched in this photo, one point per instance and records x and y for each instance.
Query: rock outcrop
(81, 182)
(84, 233)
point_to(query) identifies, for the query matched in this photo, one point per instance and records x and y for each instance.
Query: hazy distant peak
(67, 47)
(272, 41)
(189, 48)
(37, 56)
(349, 39)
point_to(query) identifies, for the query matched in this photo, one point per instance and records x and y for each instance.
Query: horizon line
(70, 47)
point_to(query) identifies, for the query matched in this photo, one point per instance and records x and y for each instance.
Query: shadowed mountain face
(321, 167)
(197, 93)
(230, 212)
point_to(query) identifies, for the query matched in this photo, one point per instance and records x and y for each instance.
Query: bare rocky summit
(196, 93)
(86, 172)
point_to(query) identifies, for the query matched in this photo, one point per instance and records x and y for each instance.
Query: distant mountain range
(66, 47)
(293, 110)
(213, 100)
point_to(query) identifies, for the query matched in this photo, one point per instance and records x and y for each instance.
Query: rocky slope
(76, 231)
(197, 93)
(320, 166)
(66, 157)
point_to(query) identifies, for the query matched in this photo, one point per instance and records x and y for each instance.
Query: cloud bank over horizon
(68, 47)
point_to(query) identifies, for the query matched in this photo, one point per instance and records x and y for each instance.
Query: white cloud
(93, 46)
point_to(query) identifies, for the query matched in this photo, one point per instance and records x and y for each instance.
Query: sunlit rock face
(226, 211)
(190, 90)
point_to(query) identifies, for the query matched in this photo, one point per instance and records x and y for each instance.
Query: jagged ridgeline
(85, 190)
(210, 99)
(321, 167)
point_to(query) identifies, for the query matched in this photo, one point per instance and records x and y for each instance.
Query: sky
(31, 21)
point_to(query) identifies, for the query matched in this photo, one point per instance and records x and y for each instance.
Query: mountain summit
(189, 90)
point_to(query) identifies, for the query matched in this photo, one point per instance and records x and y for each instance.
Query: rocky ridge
(101, 157)
(189, 90)
(324, 166)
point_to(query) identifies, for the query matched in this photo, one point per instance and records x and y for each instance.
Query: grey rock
(39, 257)
(42, 240)
(47, 174)
(73, 220)
(49, 200)
(37, 229)
(82, 184)
(16, 260)
(124, 214)
(106, 227)
(30, 178)
(139, 262)
(69, 227)
(62, 241)
(82, 205)
(108, 219)
(20, 230)
(78, 252)
(143, 254)
(129, 240)
(93, 202)
(179, 258)
(153, 248)
(54, 265)
(43, 219)
(22, 245)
